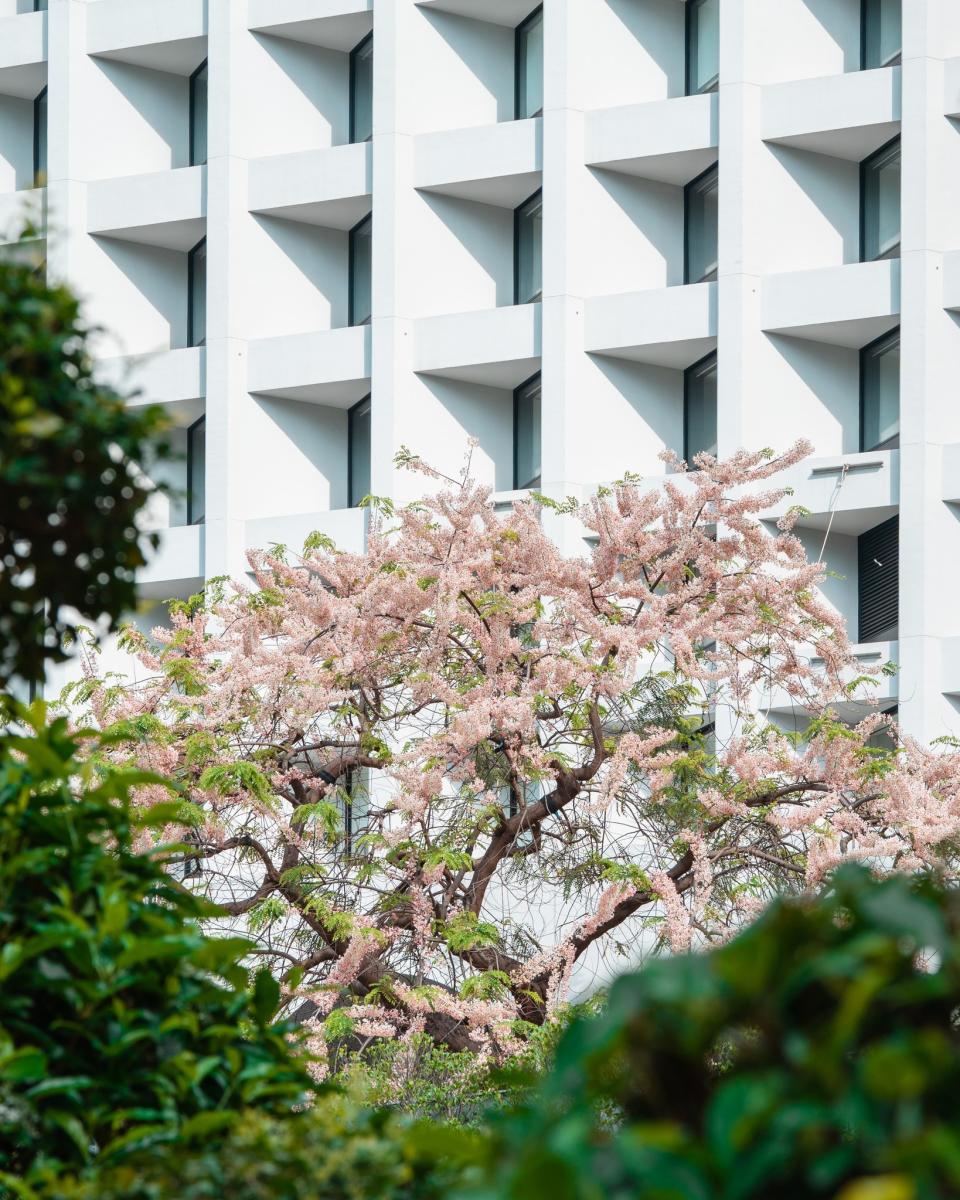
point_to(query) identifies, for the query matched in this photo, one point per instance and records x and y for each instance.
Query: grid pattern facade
(318, 230)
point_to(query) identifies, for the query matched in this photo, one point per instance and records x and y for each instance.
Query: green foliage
(121, 1023)
(817, 1055)
(69, 489)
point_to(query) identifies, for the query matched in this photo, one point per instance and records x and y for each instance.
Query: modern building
(582, 234)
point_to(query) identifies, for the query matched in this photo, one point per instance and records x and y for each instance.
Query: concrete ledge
(860, 490)
(883, 694)
(951, 473)
(843, 306)
(162, 208)
(951, 87)
(493, 164)
(173, 378)
(951, 280)
(950, 666)
(498, 347)
(346, 526)
(668, 140)
(164, 37)
(498, 12)
(177, 563)
(334, 24)
(328, 187)
(330, 367)
(666, 327)
(23, 54)
(846, 116)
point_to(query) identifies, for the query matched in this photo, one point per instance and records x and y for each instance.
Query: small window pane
(880, 198)
(197, 312)
(197, 472)
(40, 139)
(880, 380)
(361, 91)
(361, 266)
(882, 37)
(358, 434)
(198, 117)
(526, 416)
(701, 217)
(529, 242)
(530, 66)
(703, 45)
(700, 409)
(39, 5)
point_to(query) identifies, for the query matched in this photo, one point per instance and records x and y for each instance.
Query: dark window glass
(198, 116)
(197, 472)
(361, 91)
(703, 46)
(528, 243)
(526, 434)
(361, 265)
(39, 5)
(40, 139)
(880, 394)
(529, 66)
(878, 554)
(701, 227)
(880, 204)
(881, 37)
(358, 452)
(197, 294)
(700, 408)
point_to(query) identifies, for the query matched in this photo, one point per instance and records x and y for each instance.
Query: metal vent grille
(879, 564)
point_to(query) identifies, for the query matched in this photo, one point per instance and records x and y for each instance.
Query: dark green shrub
(817, 1055)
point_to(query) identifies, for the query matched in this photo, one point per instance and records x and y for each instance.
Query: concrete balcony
(498, 12)
(842, 306)
(171, 36)
(846, 116)
(951, 87)
(492, 164)
(666, 327)
(877, 696)
(176, 567)
(162, 208)
(333, 24)
(848, 494)
(672, 141)
(497, 347)
(331, 367)
(346, 526)
(173, 378)
(23, 54)
(328, 187)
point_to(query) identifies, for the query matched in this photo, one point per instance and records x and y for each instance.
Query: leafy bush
(121, 1023)
(817, 1055)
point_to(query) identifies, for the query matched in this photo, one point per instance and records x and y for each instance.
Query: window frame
(39, 98)
(691, 372)
(351, 269)
(518, 34)
(714, 84)
(688, 190)
(518, 395)
(191, 518)
(192, 105)
(191, 279)
(518, 214)
(891, 336)
(866, 164)
(352, 412)
(864, 23)
(354, 56)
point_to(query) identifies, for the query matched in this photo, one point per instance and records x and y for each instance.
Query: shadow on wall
(486, 51)
(144, 119)
(319, 76)
(475, 270)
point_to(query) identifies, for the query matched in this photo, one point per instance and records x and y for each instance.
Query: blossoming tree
(438, 777)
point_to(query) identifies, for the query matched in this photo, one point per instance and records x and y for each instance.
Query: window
(197, 294)
(527, 250)
(880, 204)
(700, 227)
(703, 46)
(361, 266)
(198, 116)
(40, 139)
(526, 434)
(880, 33)
(878, 556)
(39, 5)
(354, 804)
(361, 91)
(700, 408)
(529, 66)
(880, 393)
(197, 472)
(358, 452)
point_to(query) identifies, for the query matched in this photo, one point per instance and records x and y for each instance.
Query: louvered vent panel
(879, 562)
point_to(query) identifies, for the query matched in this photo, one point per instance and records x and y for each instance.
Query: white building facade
(584, 233)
